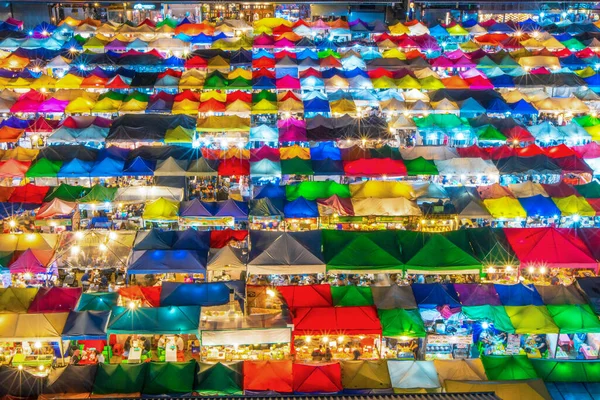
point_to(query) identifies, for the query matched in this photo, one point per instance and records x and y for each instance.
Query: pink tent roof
(587, 151)
(81, 122)
(479, 83)
(56, 299)
(13, 168)
(455, 54)
(264, 40)
(441, 62)
(289, 122)
(292, 134)
(283, 43)
(287, 82)
(53, 106)
(264, 152)
(28, 262)
(464, 62)
(320, 24)
(54, 208)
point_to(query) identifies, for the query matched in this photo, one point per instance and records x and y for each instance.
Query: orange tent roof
(455, 82)
(10, 135)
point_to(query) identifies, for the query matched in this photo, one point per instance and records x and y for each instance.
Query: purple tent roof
(116, 45)
(232, 208)
(473, 294)
(53, 106)
(285, 123)
(195, 208)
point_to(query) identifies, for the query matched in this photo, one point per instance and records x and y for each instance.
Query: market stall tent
(531, 319)
(392, 297)
(365, 375)
(169, 378)
(306, 296)
(86, 325)
(401, 323)
(219, 379)
(575, 318)
(460, 370)
(506, 368)
(566, 370)
(274, 376)
(97, 301)
(42, 327)
(70, 381)
(351, 295)
(317, 378)
(165, 320)
(19, 384)
(532, 389)
(347, 320)
(16, 300)
(410, 376)
(119, 379)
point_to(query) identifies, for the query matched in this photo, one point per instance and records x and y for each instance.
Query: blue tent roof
(317, 105)
(518, 295)
(328, 167)
(331, 72)
(168, 261)
(263, 53)
(174, 62)
(107, 167)
(438, 31)
(539, 206)
(197, 208)
(563, 37)
(572, 61)
(356, 72)
(529, 25)
(191, 294)
(307, 53)
(12, 209)
(502, 81)
(72, 44)
(201, 39)
(431, 295)
(232, 208)
(593, 81)
(84, 325)
(326, 44)
(497, 106)
(139, 167)
(270, 190)
(500, 27)
(263, 83)
(15, 122)
(469, 23)
(75, 169)
(301, 208)
(325, 150)
(522, 107)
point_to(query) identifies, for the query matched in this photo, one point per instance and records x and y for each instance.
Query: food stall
(254, 337)
(403, 331)
(31, 340)
(347, 332)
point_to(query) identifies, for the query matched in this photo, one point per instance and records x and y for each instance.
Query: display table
(32, 360)
(171, 353)
(135, 354)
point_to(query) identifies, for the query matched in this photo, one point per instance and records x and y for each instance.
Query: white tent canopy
(406, 375)
(466, 166)
(398, 206)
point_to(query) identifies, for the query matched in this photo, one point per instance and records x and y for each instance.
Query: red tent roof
(306, 296)
(55, 299)
(561, 189)
(220, 239)
(473, 151)
(288, 82)
(550, 247)
(117, 83)
(259, 73)
(375, 167)
(187, 94)
(233, 167)
(263, 62)
(518, 134)
(310, 72)
(273, 376)
(560, 151)
(195, 62)
(529, 151)
(317, 378)
(211, 105)
(42, 125)
(494, 191)
(29, 194)
(336, 321)
(270, 153)
(148, 295)
(239, 95)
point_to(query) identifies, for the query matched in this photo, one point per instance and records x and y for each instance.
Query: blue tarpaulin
(431, 295)
(85, 325)
(539, 206)
(168, 261)
(200, 294)
(107, 167)
(325, 150)
(301, 208)
(518, 295)
(75, 169)
(270, 190)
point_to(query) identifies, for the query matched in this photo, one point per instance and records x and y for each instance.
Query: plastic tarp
(351, 320)
(574, 318)
(42, 327)
(566, 370)
(440, 256)
(508, 368)
(393, 297)
(351, 295)
(16, 300)
(70, 380)
(55, 300)
(431, 295)
(402, 323)
(460, 370)
(97, 301)
(533, 389)
(15, 383)
(306, 296)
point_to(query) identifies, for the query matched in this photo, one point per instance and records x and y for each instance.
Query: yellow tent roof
(469, 46)
(36, 241)
(553, 44)
(218, 62)
(64, 94)
(80, 105)
(272, 22)
(133, 106)
(39, 327)
(238, 107)
(398, 29)
(235, 152)
(290, 105)
(386, 44)
(533, 389)
(224, 123)
(594, 132)
(179, 135)
(264, 107)
(586, 72)
(214, 94)
(381, 190)
(107, 105)
(384, 82)
(513, 96)
(161, 209)
(70, 21)
(191, 80)
(240, 72)
(19, 154)
(457, 30)
(44, 82)
(69, 81)
(573, 205)
(343, 106)
(408, 82)
(14, 62)
(394, 53)
(286, 153)
(505, 207)
(19, 82)
(532, 43)
(337, 82)
(186, 106)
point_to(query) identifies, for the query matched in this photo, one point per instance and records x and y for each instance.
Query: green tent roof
(179, 134)
(172, 319)
(411, 243)
(167, 21)
(567, 371)
(352, 295)
(316, 190)
(574, 318)
(67, 192)
(328, 52)
(44, 168)
(358, 251)
(589, 190)
(420, 166)
(531, 319)
(399, 322)
(97, 301)
(587, 120)
(444, 121)
(135, 95)
(99, 194)
(5, 260)
(219, 379)
(573, 44)
(491, 247)
(215, 81)
(119, 378)
(441, 255)
(508, 368)
(495, 315)
(168, 377)
(112, 95)
(263, 95)
(296, 166)
(240, 83)
(490, 133)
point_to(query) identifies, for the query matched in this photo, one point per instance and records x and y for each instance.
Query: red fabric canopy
(149, 295)
(263, 62)
(31, 261)
(29, 194)
(306, 296)
(268, 376)
(233, 167)
(54, 300)
(560, 151)
(473, 151)
(317, 378)
(375, 167)
(336, 321)
(270, 153)
(550, 247)
(220, 239)
(529, 151)
(502, 152)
